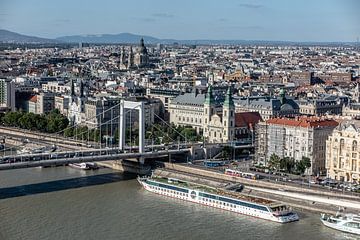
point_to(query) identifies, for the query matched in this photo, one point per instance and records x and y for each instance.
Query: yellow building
(343, 152)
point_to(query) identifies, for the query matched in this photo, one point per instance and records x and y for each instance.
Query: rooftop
(304, 122)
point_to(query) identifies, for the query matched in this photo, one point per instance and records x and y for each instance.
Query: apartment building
(343, 152)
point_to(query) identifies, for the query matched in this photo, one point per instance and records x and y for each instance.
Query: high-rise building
(7, 94)
(343, 152)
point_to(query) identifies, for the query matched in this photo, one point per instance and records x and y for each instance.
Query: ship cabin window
(353, 225)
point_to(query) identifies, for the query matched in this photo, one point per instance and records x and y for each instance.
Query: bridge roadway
(45, 138)
(51, 159)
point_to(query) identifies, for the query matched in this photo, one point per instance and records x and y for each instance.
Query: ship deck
(218, 191)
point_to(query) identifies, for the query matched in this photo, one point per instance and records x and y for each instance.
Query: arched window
(342, 144)
(354, 146)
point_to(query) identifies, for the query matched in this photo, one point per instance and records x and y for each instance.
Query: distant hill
(12, 37)
(109, 38)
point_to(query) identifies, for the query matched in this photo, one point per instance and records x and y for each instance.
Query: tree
(226, 152)
(290, 165)
(274, 162)
(303, 164)
(69, 132)
(40, 122)
(11, 118)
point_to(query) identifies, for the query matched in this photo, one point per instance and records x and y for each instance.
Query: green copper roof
(228, 98)
(209, 99)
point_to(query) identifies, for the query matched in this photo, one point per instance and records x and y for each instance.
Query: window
(354, 146)
(342, 143)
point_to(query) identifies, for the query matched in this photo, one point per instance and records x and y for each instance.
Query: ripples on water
(63, 203)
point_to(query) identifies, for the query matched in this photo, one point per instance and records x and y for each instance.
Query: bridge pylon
(122, 122)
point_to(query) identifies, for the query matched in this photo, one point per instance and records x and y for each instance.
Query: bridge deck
(79, 159)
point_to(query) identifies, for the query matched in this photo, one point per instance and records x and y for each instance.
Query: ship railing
(282, 212)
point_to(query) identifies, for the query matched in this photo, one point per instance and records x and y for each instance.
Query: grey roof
(266, 103)
(195, 99)
(355, 124)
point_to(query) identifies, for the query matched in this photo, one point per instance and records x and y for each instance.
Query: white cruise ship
(349, 223)
(218, 198)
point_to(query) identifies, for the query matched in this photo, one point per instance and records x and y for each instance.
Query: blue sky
(294, 20)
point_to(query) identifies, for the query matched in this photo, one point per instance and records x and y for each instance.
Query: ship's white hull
(341, 228)
(221, 205)
(82, 166)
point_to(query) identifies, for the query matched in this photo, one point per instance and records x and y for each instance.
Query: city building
(351, 110)
(268, 107)
(141, 57)
(294, 138)
(45, 102)
(301, 78)
(56, 87)
(343, 152)
(165, 95)
(213, 117)
(319, 107)
(7, 94)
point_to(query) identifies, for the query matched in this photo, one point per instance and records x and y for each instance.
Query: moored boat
(83, 166)
(220, 198)
(349, 223)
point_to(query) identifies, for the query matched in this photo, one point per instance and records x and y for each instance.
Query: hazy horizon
(300, 21)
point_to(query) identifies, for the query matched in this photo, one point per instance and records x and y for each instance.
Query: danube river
(64, 203)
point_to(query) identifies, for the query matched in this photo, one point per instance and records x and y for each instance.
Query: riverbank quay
(299, 198)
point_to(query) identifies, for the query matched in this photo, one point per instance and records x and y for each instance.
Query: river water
(64, 203)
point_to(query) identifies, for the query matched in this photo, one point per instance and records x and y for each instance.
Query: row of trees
(288, 164)
(162, 133)
(158, 133)
(49, 123)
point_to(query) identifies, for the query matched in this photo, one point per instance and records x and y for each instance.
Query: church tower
(356, 94)
(81, 98)
(228, 119)
(122, 58)
(72, 90)
(131, 58)
(209, 110)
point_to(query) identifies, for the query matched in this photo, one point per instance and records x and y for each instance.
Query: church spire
(72, 88)
(131, 58)
(122, 57)
(229, 102)
(282, 96)
(209, 98)
(81, 89)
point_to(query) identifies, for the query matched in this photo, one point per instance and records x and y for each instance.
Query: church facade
(214, 117)
(140, 59)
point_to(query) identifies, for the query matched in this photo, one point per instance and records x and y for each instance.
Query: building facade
(7, 94)
(45, 102)
(294, 138)
(319, 107)
(343, 152)
(268, 107)
(214, 117)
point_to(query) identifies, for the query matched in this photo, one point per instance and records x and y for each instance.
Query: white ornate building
(343, 152)
(213, 117)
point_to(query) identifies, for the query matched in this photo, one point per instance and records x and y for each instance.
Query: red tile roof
(247, 119)
(33, 99)
(304, 122)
